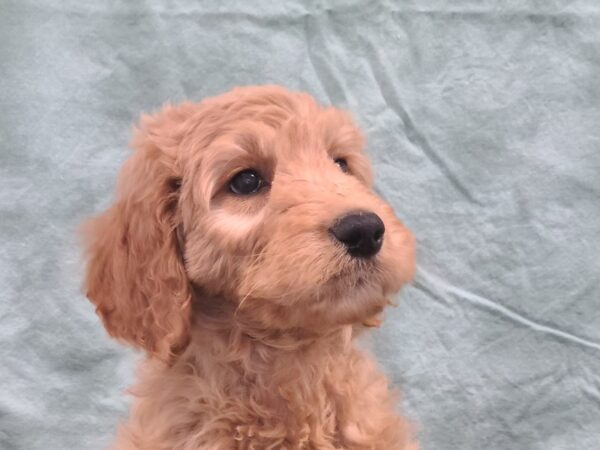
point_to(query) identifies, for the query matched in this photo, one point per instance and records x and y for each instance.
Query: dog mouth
(356, 298)
(354, 294)
(357, 275)
(358, 284)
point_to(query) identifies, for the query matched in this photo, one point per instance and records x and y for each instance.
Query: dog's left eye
(246, 182)
(342, 163)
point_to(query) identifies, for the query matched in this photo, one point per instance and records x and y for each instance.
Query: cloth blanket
(482, 121)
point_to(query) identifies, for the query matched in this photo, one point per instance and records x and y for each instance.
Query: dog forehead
(272, 105)
(291, 127)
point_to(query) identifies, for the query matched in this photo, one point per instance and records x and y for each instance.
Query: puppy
(244, 251)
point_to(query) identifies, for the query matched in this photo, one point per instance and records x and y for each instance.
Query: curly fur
(245, 306)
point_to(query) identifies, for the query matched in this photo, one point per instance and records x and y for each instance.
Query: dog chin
(356, 300)
(351, 297)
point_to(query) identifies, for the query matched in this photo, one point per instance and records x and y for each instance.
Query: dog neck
(218, 317)
(288, 379)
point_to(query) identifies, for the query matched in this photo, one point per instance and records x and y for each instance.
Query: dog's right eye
(342, 164)
(246, 182)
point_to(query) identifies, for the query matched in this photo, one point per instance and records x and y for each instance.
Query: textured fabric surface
(483, 126)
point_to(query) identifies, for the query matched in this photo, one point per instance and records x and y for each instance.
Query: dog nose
(361, 233)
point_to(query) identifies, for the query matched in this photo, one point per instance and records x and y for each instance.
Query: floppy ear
(135, 273)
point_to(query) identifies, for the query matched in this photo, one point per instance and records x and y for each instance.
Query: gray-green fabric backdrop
(483, 122)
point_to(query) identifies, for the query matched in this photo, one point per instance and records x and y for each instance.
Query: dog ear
(135, 271)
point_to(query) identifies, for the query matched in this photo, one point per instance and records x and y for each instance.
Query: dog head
(260, 199)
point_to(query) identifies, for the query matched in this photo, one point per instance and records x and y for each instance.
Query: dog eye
(246, 182)
(343, 164)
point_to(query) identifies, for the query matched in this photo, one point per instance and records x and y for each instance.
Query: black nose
(361, 233)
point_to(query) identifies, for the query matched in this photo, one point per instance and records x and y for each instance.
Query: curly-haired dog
(244, 251)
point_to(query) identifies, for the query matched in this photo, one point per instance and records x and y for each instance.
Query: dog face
(259, 198)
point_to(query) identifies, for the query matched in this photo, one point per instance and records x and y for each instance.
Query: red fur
(246, 307)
